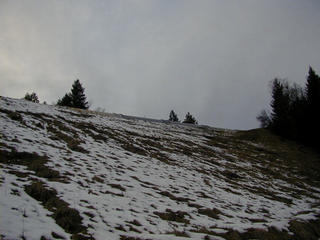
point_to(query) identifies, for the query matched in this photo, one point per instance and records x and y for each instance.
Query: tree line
(295, 110)
(76, 98)
(173, 117)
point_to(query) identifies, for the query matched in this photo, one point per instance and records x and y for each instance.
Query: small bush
(32, 97)
(190, 119)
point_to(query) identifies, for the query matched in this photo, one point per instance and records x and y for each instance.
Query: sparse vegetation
(169, 215)
(190, 119)
(179, 233)
(212, 213)
(68, 218)
(33, 161)
(33, 97)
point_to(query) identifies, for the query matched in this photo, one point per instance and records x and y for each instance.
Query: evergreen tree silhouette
(173, 117)
(313, 89)
(190, 119)
(78, 97)
(295, 112)
(65, 101)
(313, 107)
(280, 107)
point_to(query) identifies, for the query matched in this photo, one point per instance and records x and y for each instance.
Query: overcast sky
(212, 58)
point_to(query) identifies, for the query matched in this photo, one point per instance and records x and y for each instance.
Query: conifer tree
(65, 101)
(78, 97)
(313, 108)
(190, 119)
(280, 106)
(173, 117)
(313, 89)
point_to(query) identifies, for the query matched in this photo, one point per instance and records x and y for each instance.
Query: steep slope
(76, 174)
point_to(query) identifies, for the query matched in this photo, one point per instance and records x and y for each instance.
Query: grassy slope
(255, 162)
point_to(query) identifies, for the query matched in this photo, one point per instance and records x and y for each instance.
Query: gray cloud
(212, 58)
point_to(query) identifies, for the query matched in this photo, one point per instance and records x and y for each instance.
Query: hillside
(67, 173)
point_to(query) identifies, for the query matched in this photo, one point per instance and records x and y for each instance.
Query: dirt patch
(170, 215)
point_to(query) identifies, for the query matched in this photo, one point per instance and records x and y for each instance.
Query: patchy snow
(131, 171)
(21, 215)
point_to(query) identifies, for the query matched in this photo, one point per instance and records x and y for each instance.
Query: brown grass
(170, 215)
(33, 161)
(212, 213)
(174, 198)
(66, 217)
(179, 233)
(117, 186)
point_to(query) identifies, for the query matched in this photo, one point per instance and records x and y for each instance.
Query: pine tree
(78, 97)
(280, 107)
(190, 119)
(312, 108)
(313, 90)
(173, 117)
(65, 101)
(31, 97)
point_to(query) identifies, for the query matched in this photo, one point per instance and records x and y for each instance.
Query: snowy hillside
(68, 173)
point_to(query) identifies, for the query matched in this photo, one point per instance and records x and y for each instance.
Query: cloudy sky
(212, 58)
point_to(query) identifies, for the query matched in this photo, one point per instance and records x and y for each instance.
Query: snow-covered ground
(134, 177)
